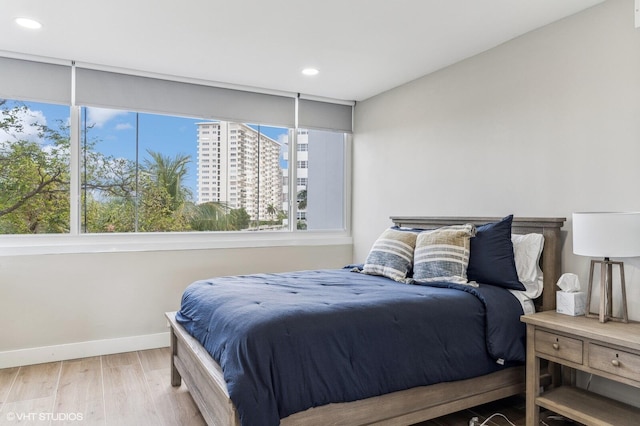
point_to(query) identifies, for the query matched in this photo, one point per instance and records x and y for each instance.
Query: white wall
(544, 125)
(67, 302)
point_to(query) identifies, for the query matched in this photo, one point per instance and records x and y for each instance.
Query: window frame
(46, 244)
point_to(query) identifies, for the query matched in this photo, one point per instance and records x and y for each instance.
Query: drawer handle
(615, 363)
(556, 346)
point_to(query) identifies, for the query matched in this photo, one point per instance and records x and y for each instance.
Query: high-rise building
(239, 166)
(302, 178)
(319, 180)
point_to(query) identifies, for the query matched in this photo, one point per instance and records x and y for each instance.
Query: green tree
(271, 211)
(161, 202)
(156, 209)
(302, 199)
(108, 190)
(164, 200)
(34, 178)
(169, 173)
(212, 216)
(239, 219)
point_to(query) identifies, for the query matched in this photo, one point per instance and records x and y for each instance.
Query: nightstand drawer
(613, 361)
(559, 346)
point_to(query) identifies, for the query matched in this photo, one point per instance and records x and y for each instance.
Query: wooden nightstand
(610, 350)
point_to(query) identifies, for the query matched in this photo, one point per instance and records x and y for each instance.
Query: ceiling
(360, 47)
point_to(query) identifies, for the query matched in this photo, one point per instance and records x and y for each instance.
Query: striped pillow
(392, 254)
(443, 254)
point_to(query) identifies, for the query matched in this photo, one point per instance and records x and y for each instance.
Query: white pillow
(527, 304)
(527, 250)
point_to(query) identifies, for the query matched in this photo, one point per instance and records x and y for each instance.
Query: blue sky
(115, 133)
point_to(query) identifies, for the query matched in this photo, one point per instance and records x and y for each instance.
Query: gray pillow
(392, 254)
(443, 254)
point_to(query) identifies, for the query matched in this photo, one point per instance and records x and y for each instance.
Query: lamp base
(606, 292)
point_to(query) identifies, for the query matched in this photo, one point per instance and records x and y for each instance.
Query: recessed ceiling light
(310, 71)
(28, 23)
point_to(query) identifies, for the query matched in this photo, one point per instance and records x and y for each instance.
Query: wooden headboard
(549, 227)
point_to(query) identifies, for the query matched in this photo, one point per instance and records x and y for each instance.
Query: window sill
(18, 245)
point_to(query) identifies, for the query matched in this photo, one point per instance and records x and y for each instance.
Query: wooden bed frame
(203, 376)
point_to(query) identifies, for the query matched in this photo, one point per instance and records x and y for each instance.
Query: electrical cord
(474, 421)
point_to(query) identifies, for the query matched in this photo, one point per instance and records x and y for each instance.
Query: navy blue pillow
(491, 259)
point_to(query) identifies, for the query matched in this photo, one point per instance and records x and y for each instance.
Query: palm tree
(169, 173)
(211, 216)
(302, 199)
(271, 211)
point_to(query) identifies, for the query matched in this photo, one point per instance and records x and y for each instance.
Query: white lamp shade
(606, 234)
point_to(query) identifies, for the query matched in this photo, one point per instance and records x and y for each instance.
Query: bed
(204, 378)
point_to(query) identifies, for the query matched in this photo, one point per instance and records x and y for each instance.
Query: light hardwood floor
(134, 389)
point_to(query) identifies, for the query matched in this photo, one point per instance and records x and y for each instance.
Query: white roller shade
(324, 116)
(35, 81)
(121, 91)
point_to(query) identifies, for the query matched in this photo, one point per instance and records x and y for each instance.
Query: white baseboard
(82, 349)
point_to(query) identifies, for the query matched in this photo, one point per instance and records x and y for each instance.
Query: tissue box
(571, 303)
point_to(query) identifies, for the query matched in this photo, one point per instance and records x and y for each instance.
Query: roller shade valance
(47, 82)
(107, 89)
(35, 81)
(324, 115)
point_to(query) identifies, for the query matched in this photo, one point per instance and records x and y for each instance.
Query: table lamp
(606, 235)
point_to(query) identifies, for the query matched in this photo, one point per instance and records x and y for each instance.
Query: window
(321, 176)
(140, 175)
(34, 168)
(120, 194)
(159, 170)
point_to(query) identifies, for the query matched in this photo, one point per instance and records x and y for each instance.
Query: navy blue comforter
(288, 342)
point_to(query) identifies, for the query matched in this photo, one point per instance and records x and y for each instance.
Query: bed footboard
(191, 363)
(176, 379)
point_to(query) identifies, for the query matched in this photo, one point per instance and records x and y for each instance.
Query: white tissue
(569, 283)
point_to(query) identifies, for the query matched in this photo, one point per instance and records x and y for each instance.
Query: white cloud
(30, 120)
(53, 151)
(124, 126)
(98, 117)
